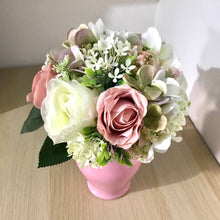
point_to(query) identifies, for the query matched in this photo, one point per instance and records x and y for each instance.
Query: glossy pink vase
(111, 181)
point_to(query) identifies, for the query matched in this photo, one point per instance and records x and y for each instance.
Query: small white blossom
(128, 67)
(115, 76)
(122, 48)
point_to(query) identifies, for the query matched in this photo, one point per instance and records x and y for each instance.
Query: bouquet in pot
(108, 96)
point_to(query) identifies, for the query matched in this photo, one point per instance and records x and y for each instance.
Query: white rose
(67, 108)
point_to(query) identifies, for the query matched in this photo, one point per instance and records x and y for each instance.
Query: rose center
(126, 116)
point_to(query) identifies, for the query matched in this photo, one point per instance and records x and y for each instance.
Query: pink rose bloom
(120, 115)
(39, 85)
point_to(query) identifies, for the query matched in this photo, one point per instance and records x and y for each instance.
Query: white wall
(193, 27)
(29, 28)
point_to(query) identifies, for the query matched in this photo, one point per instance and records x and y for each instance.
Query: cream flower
(151, 39)
(67, 108)
(84, 152)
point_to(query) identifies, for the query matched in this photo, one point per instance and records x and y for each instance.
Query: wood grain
(183, 183)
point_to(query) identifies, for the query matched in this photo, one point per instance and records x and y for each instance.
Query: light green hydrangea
(84, 151)
(176, 119)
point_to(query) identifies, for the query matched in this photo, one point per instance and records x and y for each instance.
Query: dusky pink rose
(121, 110)
(39, 85)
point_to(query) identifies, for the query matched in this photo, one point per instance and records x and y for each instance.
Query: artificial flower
(151, 39)
(39, 85)
(84, 152)
(97, 28)
(120, 113)
(67, 108)
(72, 33)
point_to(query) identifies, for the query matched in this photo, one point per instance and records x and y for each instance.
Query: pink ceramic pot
(111, 181)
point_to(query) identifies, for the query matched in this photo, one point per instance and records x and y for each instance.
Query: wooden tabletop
(183, 183)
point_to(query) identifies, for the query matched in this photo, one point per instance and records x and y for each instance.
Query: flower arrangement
(108, 96)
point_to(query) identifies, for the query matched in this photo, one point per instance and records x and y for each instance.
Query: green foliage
(97, 80)
(33, 121)
(90, 73)
(105, 156)
(121, 156)
(88, 130)
(62, 68)
(52, 154)
(87, 82)
(120, 82)
(90, 133)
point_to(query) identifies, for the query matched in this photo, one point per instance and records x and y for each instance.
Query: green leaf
(100, 158)
(122, 162)
(126, 160)
(104, 157)
(117, 158)
(86, 82)
(88, 130)
(89, 72)
(121, 156)
(131, 58)
(107, 154)
(104, 162)
(52, 154)
(33, 121)
(120, 82)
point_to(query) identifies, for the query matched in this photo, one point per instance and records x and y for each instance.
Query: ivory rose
(120, 115)
(67, 109)
(39, 85)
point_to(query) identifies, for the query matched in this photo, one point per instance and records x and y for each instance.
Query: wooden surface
(183, 183)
